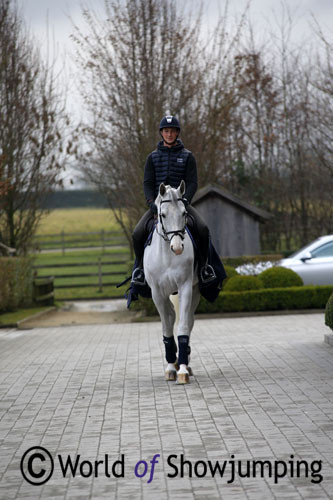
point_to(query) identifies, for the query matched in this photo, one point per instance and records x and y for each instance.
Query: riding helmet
(169, 122)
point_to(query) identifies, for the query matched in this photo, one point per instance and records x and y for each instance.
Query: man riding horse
(170, 163)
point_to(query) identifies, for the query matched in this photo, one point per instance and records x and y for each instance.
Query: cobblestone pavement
(262, 391)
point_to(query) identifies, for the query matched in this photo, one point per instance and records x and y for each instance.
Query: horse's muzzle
(177, 249)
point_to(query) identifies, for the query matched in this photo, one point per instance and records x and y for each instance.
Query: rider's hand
(153, 208)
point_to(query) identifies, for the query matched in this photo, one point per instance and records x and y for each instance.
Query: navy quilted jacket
(170, 165)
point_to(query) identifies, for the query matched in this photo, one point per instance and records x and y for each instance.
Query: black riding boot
(139, 237)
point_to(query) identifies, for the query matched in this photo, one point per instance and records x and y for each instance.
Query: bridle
(178, 232)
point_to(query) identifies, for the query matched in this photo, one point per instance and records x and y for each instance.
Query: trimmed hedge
(277, 277)
(329, 312)
(16, 282)
(242, 283)
(269, 299)
(266, 299)
(230, 272)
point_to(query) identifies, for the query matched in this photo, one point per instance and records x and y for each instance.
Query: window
(323, 251)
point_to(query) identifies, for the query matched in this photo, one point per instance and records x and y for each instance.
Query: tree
(140, 62)
(32, 124)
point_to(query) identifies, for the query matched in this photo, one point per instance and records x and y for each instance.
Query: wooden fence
(101, 281)
(62, 241)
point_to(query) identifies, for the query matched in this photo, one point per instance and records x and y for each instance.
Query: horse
(169, 269)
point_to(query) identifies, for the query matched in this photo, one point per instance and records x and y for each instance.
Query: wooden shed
(233, 223)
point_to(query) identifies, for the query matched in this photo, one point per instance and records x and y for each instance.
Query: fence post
(100, 276)
(103, 239)
(63, 242)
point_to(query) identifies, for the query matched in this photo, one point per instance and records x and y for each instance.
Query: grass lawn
(78, 220)
(12, 318)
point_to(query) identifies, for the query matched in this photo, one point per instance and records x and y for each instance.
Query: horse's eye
(163, 215)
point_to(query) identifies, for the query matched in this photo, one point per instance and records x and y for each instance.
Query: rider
(171, 163)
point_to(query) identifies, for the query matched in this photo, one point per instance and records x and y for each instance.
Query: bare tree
(140, 60)
(32, 124)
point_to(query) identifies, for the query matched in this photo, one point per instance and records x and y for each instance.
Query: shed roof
(211, 190)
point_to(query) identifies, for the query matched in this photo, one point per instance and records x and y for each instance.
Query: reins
(178, 232)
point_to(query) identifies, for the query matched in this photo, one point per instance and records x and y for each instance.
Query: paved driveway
(260, 404)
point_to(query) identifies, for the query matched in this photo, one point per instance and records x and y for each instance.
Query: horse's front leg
(184, 330)
(168, 317)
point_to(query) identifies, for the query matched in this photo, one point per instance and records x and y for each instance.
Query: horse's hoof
(171, 375)
(183, 378)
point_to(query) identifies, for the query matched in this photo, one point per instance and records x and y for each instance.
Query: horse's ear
(162, 189)
(181, 188)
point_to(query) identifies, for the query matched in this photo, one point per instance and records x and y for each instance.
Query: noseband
(165, 234)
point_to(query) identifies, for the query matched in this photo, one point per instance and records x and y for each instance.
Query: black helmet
(169, 122)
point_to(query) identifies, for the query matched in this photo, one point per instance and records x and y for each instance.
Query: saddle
(209, 291)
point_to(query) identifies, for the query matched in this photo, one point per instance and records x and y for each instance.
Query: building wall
(234, 231)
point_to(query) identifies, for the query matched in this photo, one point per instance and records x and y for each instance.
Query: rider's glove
(153, 207)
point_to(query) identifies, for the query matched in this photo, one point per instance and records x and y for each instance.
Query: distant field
(77, 220)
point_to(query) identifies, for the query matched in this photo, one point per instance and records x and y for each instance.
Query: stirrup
(138, 277)
(207, 274)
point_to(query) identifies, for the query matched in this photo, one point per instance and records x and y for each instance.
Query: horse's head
(172, 216)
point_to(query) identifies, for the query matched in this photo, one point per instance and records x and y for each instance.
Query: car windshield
(324, 251)
(297, 252)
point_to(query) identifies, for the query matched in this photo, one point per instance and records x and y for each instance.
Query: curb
(328, 338)
(21, 323)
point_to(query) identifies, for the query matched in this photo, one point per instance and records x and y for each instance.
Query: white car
(314, 262)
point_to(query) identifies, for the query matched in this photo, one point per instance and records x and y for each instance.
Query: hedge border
(266, 299)
(269, 299)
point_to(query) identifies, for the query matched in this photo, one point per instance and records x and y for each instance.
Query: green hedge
(269, 299)
(242, 283)
(230, 272)
(277, 277)
(329, 312)
(16, 282)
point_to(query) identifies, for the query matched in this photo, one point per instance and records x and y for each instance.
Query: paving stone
(262, 391)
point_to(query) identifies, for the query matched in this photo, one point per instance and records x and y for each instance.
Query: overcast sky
(50, 19)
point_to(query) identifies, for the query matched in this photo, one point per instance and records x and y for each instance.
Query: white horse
(169, 268)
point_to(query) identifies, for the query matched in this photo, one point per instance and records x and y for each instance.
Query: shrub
(241, 283)
(305, 297)
(329, 312)
(16, 282)
(280, 277)
(230, 271)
